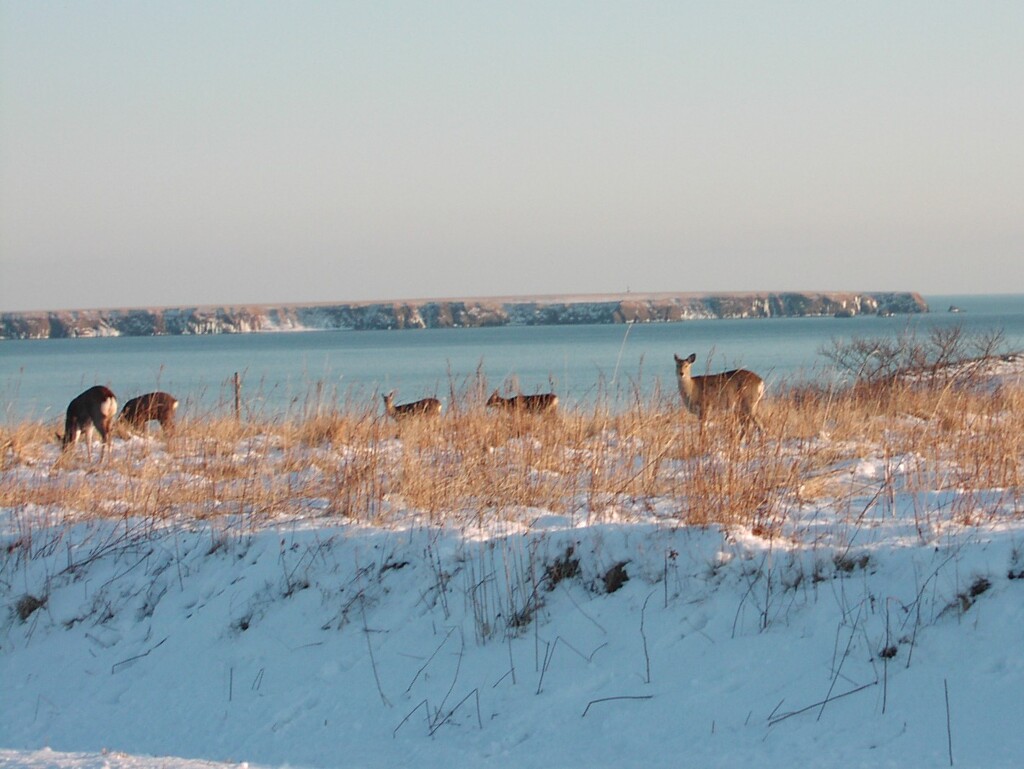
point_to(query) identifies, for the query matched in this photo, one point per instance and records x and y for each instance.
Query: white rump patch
(109, 407)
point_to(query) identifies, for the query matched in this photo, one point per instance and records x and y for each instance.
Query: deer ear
(678, 359)
(692, 358)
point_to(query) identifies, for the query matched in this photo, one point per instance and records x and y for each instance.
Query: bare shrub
(27, 606)
(615, 577)
(942, 354)
(561, 569)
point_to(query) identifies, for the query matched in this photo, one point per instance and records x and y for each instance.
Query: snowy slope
(322, 644)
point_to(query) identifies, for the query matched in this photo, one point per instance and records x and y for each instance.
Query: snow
(872, 631)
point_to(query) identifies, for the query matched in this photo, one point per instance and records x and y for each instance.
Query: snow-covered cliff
(444, 313)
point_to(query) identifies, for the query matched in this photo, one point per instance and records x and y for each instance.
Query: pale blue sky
(175, 153)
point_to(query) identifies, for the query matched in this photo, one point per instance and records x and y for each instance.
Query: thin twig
(609, 699)
(430, 658)
(569, 595)
(885, 660)
(511, 662)
(622, 347)
(846, 653)
(451, 712)
(549, 652)
(949, 729)
(750, 589)
(422, 704)
(455, 677)
(369, 646)
(643, 635)
(812, 706)
(578, 653)
(116, 665)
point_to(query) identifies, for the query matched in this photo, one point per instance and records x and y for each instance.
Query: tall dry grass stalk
(474, 467)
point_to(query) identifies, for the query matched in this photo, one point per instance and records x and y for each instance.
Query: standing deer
(739, 390)
(530, 404)
(428, 407)
(156, 405)
(93, 409)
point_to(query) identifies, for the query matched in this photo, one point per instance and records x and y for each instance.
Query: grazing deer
(529, 404)
(428, 407)
(156, 405)
(93, 409)
(739, 390)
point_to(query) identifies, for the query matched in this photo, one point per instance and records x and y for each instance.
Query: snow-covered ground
(868, 632)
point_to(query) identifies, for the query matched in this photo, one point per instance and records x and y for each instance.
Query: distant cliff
(454, 313)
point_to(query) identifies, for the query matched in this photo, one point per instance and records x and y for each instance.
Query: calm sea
(285, 373)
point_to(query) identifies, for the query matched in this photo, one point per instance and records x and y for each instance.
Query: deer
(93, 409)
(428, 407)
(159, 406)
(738, 390)
(529, 404)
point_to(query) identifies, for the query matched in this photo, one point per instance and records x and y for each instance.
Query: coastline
(664, 307)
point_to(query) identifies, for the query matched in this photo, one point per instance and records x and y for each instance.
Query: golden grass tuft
(477, 467)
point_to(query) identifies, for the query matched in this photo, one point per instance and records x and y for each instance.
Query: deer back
(94, 408)
(159, 406)
(533, 404)
(427, 407)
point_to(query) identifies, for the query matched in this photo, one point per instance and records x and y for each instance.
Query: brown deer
(159, 406)
(428, 407)
(93, 409)
(528, 404)
(738, 390)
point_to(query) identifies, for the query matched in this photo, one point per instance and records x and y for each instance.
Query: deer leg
(105, 448)
(87, 434)
(748, 419)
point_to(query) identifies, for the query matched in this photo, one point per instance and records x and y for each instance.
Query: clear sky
(177, 153)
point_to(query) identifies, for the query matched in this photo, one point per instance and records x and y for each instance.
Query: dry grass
(477, 467)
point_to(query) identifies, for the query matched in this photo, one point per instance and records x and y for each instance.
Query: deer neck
(687, 389)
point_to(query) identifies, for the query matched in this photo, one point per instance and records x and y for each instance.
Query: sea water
(290, 373)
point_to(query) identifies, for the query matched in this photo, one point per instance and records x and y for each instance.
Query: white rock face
(450, 313)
